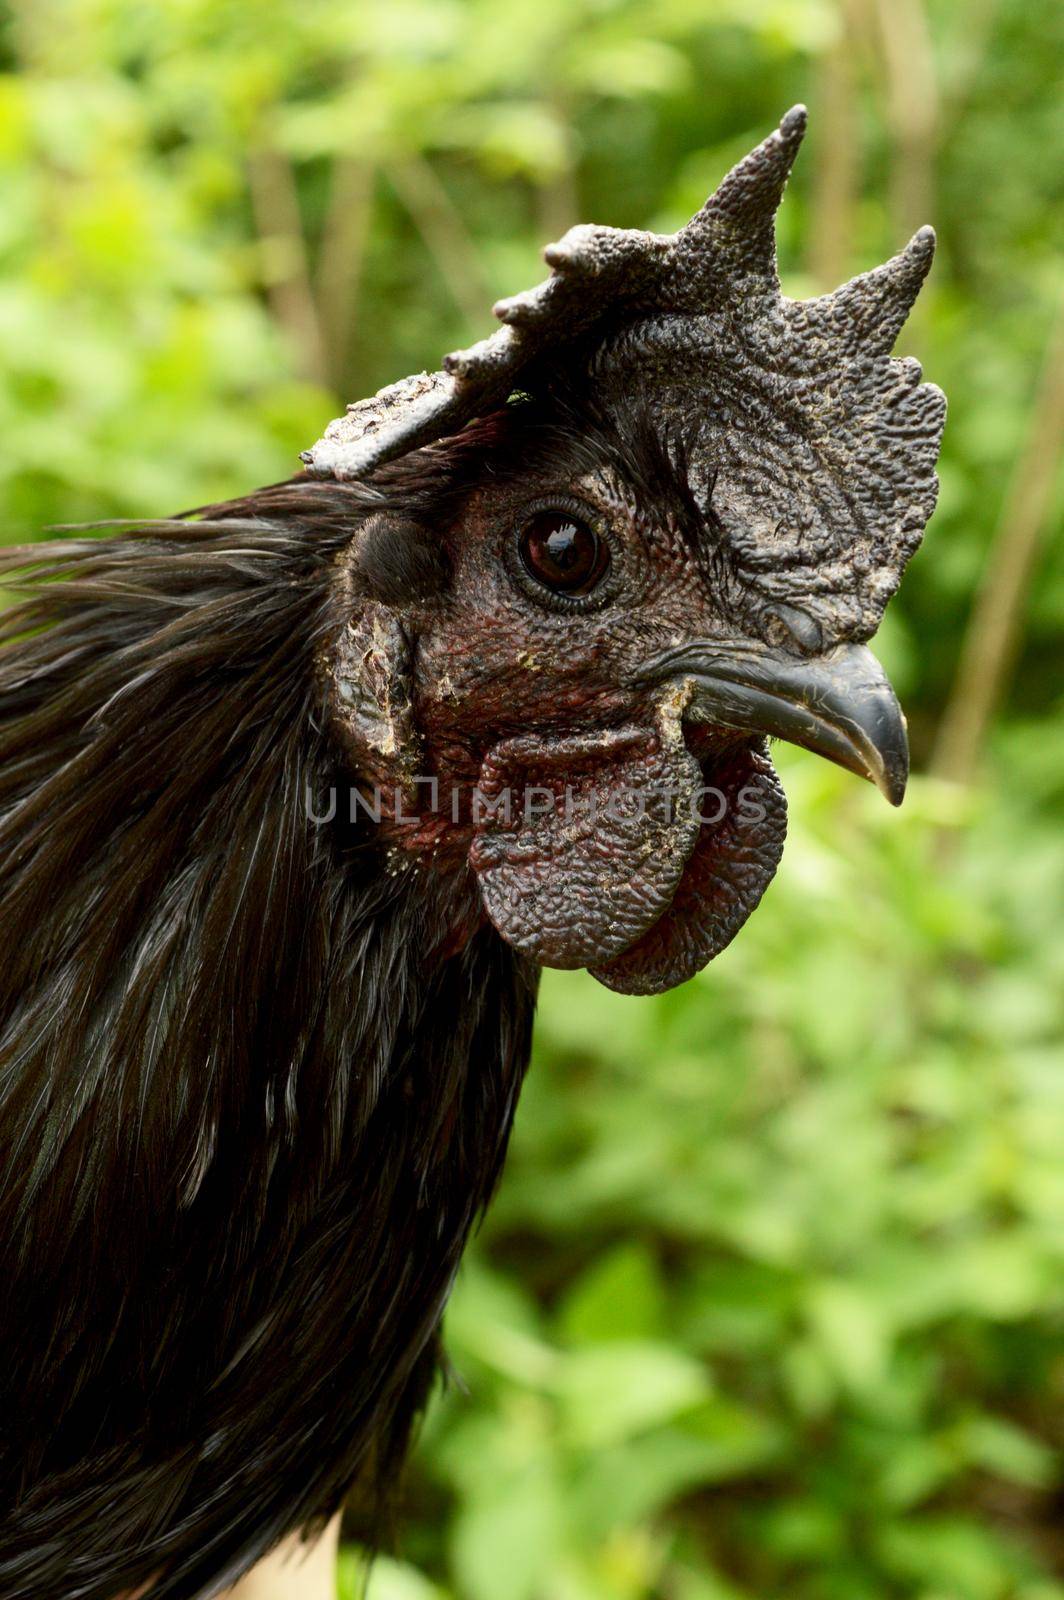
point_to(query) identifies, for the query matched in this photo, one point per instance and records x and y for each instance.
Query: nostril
(788, 628)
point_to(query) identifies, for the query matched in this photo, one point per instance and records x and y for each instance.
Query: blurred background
(772, 1301)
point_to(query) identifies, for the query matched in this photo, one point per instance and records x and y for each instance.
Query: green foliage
(771, 1302)
(774, 1290)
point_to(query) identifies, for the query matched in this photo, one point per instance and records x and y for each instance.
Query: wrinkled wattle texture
(598, 831)
(730, 868)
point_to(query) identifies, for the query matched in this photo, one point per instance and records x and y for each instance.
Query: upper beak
(839, 704)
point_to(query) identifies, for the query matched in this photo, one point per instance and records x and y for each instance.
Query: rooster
(298, 793)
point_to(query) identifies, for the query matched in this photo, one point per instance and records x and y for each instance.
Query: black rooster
(262, 1032)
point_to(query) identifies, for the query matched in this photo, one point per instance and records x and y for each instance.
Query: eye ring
(561, 553)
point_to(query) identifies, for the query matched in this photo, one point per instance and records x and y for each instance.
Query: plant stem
(837, 157)
(275, 204)
(345, 234)
(992, 636)
(437, 220)
(912, 110)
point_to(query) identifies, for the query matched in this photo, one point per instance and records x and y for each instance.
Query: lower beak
(839, 704)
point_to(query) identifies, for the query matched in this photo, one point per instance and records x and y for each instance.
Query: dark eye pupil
(562, 552)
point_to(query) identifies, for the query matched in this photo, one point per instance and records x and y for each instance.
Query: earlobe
(395, 562)
(372, 693)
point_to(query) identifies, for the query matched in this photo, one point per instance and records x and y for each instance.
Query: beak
(839, 704)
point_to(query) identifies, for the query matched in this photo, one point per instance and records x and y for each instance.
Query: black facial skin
(545, 659)
(759, 471)
(644, 666)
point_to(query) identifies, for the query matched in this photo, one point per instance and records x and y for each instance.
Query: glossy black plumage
(249, 1104)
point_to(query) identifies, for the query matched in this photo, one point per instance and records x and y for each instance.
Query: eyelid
(604, 592)
(573, 579)
(570, 503)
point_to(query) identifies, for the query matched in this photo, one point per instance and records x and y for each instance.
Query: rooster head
(611, 551)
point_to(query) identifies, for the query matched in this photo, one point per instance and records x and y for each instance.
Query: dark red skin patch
(484, 688)
(644, 902)
(733, 862)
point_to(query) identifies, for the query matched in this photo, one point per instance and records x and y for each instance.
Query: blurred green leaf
(612, 1391)
(621, 1296)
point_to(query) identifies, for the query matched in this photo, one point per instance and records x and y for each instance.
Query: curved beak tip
(839, 705)
(892, 781)
(877, 733)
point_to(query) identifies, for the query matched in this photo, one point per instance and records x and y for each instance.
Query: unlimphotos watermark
(424, 799)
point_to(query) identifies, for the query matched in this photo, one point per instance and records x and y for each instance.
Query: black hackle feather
(248, 1116)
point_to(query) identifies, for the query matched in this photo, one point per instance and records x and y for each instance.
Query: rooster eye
(563, 553)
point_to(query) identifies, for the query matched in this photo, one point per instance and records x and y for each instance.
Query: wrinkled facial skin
(607, 747)
(760, 469)
(545, 661)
